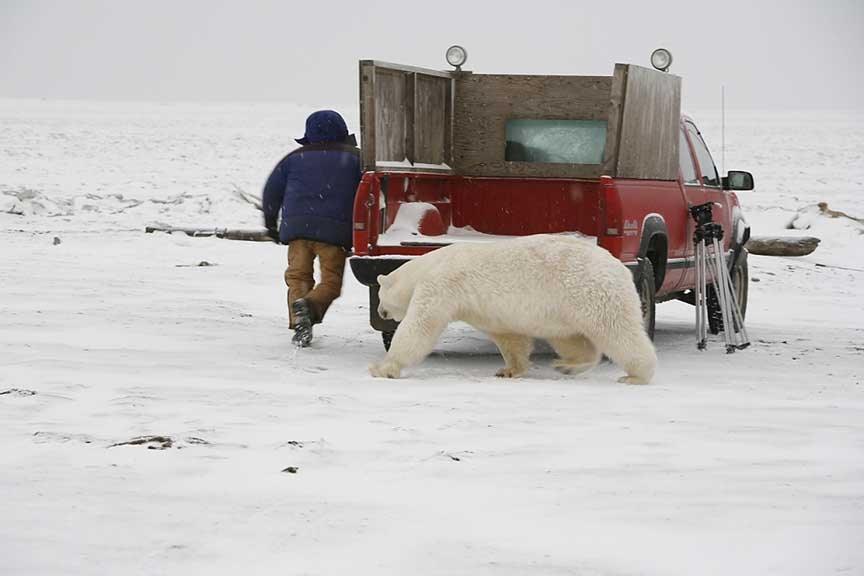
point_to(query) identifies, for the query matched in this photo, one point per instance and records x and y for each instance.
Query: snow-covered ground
(751, 463)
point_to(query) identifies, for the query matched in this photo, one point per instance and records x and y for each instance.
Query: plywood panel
(431, 121)
(390, 115)
(648, 139)
(484, 103)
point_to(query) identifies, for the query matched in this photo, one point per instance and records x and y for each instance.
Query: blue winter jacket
(314, 188)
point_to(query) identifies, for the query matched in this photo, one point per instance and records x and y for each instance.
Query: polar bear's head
(394, 295)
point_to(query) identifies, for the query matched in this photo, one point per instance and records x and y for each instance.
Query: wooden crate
(415, 119)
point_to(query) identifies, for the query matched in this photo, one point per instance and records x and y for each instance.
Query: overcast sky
(768, 53)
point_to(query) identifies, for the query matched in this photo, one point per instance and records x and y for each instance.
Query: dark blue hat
(324, 126)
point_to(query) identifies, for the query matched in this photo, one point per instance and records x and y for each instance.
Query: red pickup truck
(457, 156)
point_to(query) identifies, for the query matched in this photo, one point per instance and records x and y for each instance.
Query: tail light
(364, 223)
(611, 222)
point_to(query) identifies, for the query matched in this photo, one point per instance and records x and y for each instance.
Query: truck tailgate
(470, 209)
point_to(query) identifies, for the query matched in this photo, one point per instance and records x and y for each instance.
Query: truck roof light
(456, 56)
(661, 59)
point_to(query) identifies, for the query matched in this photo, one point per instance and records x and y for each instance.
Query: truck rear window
(555, 141)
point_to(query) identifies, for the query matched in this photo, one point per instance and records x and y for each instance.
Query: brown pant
(301, 282)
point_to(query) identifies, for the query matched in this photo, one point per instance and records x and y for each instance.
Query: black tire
(740, 275)
(646, 289)
(387, 338)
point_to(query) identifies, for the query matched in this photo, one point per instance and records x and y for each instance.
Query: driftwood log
(782, 245)
(226, 233)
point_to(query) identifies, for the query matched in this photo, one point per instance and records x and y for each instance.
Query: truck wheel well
(657, 251)
(654, 246)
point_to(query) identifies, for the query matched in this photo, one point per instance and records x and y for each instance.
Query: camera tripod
(710, 260)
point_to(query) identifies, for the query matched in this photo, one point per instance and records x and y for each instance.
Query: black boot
(302, 323)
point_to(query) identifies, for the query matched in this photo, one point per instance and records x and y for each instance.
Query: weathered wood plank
(390, 115)
(407, 69)
(449, 99)
(615, 116)
(430, 120)
(367, 115)
(410, 116)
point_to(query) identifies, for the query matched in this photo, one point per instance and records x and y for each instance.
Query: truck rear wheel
(646, 289)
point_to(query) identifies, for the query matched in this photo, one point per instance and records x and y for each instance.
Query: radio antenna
(722, 129)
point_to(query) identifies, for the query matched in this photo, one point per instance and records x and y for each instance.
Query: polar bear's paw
(508, 372)
(573, 369)
(386, 369)
(632, 380)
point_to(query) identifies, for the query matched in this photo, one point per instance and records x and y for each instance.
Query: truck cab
(464, 157)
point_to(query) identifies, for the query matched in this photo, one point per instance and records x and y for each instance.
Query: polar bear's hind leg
(516, 351)
(577, 354)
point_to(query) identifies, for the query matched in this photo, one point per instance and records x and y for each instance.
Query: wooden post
(367, 114)
(615, 117)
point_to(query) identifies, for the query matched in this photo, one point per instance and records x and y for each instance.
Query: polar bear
(562, 289)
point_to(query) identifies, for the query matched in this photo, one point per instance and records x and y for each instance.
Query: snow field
(748, 463)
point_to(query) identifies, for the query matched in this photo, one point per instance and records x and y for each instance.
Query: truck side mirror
(738, 180)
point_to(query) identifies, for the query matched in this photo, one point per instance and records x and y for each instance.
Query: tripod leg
(716, 260)
(703, 265)
(741, 339)
(728, 303)
(699, 296)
